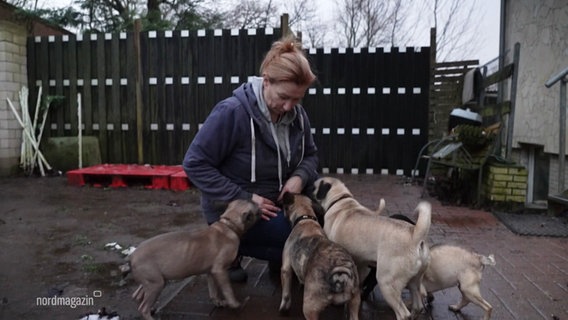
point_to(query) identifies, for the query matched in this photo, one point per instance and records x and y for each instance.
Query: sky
(488, 28)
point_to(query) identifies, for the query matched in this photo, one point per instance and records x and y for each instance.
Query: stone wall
(506, 183)
(13, 75)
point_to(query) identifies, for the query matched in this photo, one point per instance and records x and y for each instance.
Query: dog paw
(454, 308)
(244, 303)
(284, 312)
(218, 302)
(284, 306)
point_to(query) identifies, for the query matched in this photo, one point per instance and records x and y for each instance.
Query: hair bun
(290, 46)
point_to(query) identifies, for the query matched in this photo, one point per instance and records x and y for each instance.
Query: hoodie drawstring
(253, 153)
(303, 137)
(253, 150)
(275, 136)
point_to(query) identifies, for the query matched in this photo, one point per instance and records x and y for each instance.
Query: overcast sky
(488, 26)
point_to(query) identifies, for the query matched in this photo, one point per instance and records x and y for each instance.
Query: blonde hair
(286, 61)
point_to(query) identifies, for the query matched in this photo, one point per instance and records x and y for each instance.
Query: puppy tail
(341, 278)
(423, 223)
(381, 207)
(488, 261)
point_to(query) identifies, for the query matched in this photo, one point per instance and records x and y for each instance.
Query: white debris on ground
(102, 314)
(114, 246)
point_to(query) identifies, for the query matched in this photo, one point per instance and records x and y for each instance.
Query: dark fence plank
(71, 75)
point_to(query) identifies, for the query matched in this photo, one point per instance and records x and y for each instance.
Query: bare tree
(251, 14)
(314, 34)
(401, 33)
(349, 21)
(368, 22)
(304, 18)
(300, 12)
(456, 34)
(377, 17)
(398, 22)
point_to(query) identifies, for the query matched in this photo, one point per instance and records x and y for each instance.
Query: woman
(257, 144)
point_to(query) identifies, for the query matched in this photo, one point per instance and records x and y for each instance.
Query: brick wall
(506, 183)
(13, 75)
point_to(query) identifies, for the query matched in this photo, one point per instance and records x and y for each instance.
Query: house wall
(541, 27)
(13, 75)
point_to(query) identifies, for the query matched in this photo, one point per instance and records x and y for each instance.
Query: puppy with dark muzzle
(398, 249)
(326, 270)
(177, 255)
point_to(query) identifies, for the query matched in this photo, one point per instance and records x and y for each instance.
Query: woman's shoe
(236, 273)
(274, 266)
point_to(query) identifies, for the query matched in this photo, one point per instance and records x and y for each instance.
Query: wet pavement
(529, 281)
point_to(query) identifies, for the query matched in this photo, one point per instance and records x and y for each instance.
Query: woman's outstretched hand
(268, 208)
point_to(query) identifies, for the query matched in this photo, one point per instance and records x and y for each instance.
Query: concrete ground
(530, 280)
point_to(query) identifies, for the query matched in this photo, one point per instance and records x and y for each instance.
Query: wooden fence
(446, 93)
(369, 108)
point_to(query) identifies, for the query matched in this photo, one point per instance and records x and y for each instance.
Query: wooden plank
(72, 72)
(176, 99)
(84, 74)
(187, 114)
(57, 75)
(160, 108)
(498, 76)
(450, 72)
(130, 99)
(151, 103)
(114, 106)
(43, 71)
(148, 140)
(456, 63)
(448, 78)
(100, 107)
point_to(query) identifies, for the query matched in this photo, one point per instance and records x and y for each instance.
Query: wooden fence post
(284, 26)
(138, 84)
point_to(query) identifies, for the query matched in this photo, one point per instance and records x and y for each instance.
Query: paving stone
(530, 280)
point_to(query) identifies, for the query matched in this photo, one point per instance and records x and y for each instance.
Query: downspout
(562, 76)
(501, 62)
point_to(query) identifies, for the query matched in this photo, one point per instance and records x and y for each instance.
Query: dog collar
(304, 217)
(229, 224)
(345, 196)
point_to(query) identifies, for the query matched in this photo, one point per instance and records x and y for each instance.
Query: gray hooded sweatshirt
(238, 151)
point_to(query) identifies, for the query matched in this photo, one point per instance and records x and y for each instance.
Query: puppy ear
(287, 198)
(318, 210)
(323, 189)
(220, 205)
(252, 215)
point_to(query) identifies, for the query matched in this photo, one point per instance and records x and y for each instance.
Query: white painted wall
(541, 27)
(13, 75)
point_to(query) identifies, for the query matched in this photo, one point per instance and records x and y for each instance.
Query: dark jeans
(265, 240)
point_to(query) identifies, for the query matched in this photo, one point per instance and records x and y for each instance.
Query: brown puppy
(177, 255)
(450, 266)
(398, 249)
(326, 270)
